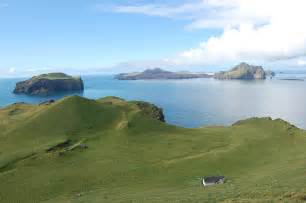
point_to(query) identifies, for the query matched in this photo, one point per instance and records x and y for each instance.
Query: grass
(55, 76)
(132, 157)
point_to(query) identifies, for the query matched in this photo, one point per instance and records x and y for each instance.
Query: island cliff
(157, 73)
(48, 84)
(243, 71)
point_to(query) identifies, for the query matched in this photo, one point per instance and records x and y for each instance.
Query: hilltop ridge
(113, 150)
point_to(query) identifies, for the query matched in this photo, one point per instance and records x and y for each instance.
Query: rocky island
(157, 73)
(243, 71)
(48, 84)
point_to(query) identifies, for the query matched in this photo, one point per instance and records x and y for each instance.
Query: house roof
(213, 179)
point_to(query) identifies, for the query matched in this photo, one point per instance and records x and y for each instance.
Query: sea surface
(196, 102)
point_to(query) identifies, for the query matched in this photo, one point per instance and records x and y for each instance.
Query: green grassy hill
(110, 150)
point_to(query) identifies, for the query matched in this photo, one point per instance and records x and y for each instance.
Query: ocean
(195, 102)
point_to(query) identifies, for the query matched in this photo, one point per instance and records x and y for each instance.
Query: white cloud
(301, 62)
(185, 10)
(253, 30)
(12, 70)
(267, 43)
(202, 13)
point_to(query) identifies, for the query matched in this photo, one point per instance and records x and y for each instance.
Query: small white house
(212, 180)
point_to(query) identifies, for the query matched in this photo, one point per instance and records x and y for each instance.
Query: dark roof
(213, 179)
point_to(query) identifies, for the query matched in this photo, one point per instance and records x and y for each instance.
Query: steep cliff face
(242, 71)
(151, 110)
(48, 84)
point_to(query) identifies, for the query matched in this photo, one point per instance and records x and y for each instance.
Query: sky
(99, 36)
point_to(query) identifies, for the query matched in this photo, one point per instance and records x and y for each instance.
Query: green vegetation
(160, 74)
(110, 150)
(54, 76)
(47, 84)
(243, 71)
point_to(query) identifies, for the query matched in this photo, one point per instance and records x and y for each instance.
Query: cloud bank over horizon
(258, 31)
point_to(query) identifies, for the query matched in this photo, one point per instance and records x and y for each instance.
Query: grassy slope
(134, 158)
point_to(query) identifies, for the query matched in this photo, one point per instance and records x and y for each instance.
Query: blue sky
(82, 36)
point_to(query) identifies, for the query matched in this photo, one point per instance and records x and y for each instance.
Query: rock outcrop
(48, 84)
(151, 110)
(242, 71)
(157, 73)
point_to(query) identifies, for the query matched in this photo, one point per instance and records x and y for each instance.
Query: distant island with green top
(158, 73)
(52, 83)
(48, 84)
(243, 71)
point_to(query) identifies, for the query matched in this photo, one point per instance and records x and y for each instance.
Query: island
(48, 84)
(243, 71)
(112, 150)
(160, 74)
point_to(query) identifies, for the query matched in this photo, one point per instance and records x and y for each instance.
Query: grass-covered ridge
(54, 76)
(111, 150)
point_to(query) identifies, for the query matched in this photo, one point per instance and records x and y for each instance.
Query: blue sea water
(196, 102)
